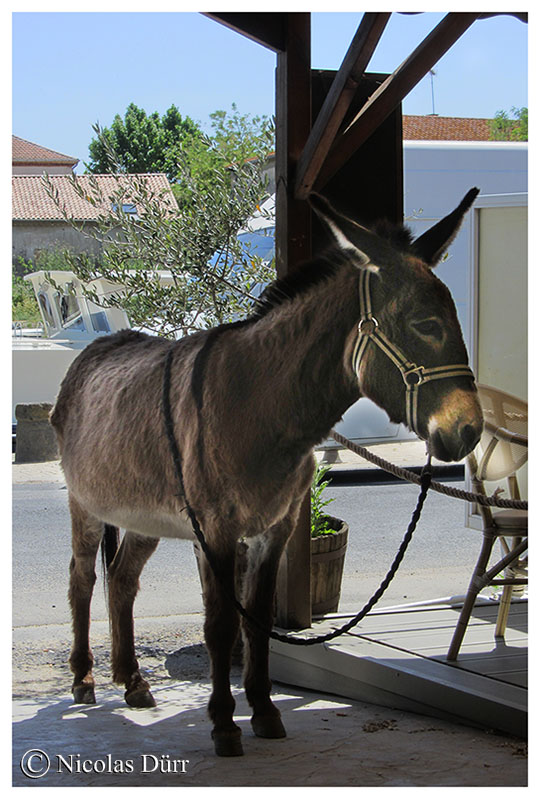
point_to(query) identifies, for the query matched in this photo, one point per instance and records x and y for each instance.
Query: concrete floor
(330, 742)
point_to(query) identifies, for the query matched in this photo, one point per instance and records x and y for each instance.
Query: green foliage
(212, 274)
(143, 143)
(502, 128)
(24, 305)
(236, 138)
(150, 143)
(319, 522)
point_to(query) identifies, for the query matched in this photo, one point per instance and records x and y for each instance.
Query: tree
(502, 128)
(150, 143)
(143, 143)
(238, 137)
(210, 273)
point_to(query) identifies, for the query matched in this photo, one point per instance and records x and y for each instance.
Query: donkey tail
(109, 546)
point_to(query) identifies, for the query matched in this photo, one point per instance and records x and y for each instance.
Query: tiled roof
(447, 129)
(24, 152)
(30, 200)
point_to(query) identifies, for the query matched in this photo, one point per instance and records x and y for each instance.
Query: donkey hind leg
(259, 589)
(221, 631)
(87, 532)
(124, 573)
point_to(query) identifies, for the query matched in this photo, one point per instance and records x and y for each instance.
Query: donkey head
(408, 354)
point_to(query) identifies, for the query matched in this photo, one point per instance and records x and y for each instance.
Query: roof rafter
(266, 28)
(338, 100)
(393, 90)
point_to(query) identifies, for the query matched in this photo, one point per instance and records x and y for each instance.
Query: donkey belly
(124, 509)
(156, 524)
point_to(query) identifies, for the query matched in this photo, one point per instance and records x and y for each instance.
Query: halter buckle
(414, 377)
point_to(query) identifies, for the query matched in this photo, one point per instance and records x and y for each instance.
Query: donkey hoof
(268, 727)
(84, 694)
(140, 698)
(228, 743)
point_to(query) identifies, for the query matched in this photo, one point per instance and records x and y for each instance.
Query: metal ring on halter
(367, 326)
(414, 372)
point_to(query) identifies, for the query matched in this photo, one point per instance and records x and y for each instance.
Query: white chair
(503, 449)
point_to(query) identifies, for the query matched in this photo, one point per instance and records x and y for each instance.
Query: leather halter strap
(412, 374)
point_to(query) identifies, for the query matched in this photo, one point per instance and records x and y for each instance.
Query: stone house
(38, 224)
(33, 159)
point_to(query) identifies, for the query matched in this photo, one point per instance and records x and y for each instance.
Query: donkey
(249, 401)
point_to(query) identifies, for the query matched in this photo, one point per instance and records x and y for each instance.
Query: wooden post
(293, 246)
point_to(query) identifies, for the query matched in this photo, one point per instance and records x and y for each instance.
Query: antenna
(432, 73)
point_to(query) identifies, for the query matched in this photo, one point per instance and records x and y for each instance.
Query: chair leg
(507, 594)
(476, 584)
(503, 613)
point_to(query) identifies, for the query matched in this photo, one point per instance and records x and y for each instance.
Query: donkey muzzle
(455, 429)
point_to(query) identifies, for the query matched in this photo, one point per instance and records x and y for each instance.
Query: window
(129, 209)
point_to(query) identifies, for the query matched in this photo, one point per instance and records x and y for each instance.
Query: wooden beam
(393, 90)
(293, 246)
(338, 100)
(377, 164)
(293, 124)
(520, 15)
(265, 28)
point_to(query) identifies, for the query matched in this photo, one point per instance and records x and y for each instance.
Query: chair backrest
(501, 456)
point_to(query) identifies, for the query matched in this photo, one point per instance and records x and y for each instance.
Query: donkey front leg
(259, 589)
(221, 630)
(124, 573)
(86, 534)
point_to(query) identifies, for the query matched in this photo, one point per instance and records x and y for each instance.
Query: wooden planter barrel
(328, 554)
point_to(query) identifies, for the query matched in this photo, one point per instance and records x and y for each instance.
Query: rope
(425, 480)
(412, 477)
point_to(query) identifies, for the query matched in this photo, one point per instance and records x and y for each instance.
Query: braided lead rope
(412, 477)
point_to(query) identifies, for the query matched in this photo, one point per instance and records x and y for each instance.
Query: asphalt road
(438, 562)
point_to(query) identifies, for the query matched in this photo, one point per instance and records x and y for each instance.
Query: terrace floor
(396, 657)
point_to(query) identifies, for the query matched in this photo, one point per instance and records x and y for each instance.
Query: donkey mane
(280, 291)
(311, 273)
(306, 276)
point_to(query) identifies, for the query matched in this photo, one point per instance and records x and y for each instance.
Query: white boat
(70, 321)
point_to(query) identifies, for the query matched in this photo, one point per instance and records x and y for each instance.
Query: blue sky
(73, 69)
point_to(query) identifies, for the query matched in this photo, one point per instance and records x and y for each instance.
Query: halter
(412, 374)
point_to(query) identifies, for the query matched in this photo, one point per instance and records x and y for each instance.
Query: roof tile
(24, 152)
(30, 200)
(449, 129)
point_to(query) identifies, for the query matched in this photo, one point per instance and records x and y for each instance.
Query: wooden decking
(397, 658)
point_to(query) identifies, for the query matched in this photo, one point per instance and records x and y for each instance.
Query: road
(438, 562)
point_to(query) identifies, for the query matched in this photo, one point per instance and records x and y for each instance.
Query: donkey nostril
(469, 436)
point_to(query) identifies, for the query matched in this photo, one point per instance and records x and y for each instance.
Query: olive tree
(181, 266)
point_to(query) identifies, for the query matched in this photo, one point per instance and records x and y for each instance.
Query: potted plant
(329, 537)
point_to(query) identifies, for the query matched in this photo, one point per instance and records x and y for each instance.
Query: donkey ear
(432, 245)
(341, 229)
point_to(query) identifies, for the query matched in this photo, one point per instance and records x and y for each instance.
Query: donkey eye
(429, 327)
